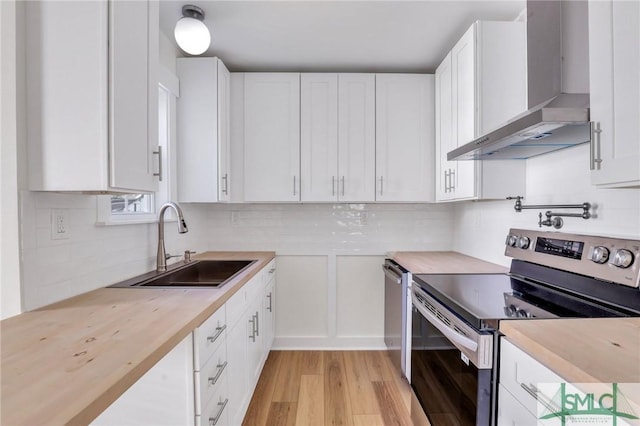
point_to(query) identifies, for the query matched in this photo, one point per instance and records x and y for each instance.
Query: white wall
(93, 256)
(9, 220)
(561, 177)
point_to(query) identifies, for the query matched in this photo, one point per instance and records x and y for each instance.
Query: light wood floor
(329, 388)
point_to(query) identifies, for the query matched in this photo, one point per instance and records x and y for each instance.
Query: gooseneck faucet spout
(161, 260)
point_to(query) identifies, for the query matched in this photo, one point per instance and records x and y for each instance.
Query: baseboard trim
(329, 343)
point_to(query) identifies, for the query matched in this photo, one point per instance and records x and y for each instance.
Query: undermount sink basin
(197, 274)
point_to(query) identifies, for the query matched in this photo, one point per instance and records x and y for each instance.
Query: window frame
(167, 189)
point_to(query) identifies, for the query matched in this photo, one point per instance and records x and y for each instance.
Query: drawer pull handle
(213, 421)
(269, 308)
(219, 331)
(253, 328)
(257, 324)
(221, 367)
(538, 396)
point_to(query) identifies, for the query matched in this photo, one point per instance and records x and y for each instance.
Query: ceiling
(346, 36)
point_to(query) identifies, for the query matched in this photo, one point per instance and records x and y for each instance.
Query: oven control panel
(610, 259)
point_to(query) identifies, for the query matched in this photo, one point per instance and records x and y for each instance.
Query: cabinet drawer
(511, 412)
(522, 375)
(269, 272)
(208, 337)
(238, 303)
(215, 412)
(210, 377)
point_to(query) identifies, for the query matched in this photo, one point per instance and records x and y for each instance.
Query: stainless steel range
(456, 316)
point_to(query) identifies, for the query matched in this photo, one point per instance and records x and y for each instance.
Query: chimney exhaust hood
(554, 120)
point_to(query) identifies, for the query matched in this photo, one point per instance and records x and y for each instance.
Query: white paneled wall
(561, 177)
(93, 256)
(330, 287)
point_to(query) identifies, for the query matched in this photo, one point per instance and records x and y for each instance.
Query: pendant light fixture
(191, 33)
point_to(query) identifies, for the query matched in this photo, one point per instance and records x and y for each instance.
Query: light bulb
(192, 35)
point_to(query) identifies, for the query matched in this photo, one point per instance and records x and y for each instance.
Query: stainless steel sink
(197, 274)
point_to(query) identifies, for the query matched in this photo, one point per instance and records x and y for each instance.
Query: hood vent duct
(554, 120)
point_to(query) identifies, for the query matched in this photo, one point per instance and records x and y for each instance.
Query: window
(142, 208)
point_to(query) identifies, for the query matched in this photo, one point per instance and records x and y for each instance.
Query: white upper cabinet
(92, 95)
(404, 137)
(319, 137)
(203, 130)
(356, 137)
(614, 79)
(337, 123)
(271, 137)
(485, 77)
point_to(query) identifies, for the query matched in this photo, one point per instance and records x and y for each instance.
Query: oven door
(450, 365)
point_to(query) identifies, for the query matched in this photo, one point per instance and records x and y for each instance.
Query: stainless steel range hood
(554, 120)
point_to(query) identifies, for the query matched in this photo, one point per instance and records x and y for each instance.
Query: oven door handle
(455, 337)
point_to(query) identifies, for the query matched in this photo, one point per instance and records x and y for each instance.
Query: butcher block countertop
(584, 350)
(67, 362)
(444, 262)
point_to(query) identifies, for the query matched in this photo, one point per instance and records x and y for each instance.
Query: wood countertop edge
(566, 365)
(117, 387)
(444, 262)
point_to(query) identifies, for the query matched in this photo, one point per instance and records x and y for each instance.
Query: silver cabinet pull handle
(381, 184)
(294, 185)
(533, 391)
(452, 175)
(219, 331)
(333, 186)
(257, 323)
(159, 154)
(214, 420)
(446, 181)
(253, 328)
(221, 367)
(342, 186)
(225, 187)
(269, 308)
(594, 152)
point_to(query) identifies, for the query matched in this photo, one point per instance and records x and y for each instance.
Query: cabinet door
(269, 310)
(356, 137)
(404, 137)
(198, 115)
(238, 386)
(614, 79)
(224, 132)
(512, 412)
(444, 131)
(463, 66)
(255, 343)
(133, 90)
(319, 137)
(271, 137)
(163, 396)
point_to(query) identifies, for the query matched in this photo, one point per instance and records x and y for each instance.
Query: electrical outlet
(60, 224)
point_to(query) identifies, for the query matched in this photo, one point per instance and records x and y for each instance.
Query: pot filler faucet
(161, 260)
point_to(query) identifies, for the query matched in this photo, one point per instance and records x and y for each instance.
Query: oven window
(449, 390)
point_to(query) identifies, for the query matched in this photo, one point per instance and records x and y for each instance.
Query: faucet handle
(187, 255)
(169, 256)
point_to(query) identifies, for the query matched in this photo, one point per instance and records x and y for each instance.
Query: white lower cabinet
(163, 396)
(209, 378)
(511, 412)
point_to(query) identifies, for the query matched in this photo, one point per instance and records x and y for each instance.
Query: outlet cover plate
(60, 224)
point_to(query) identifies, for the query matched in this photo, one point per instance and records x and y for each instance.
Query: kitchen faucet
(162, 257)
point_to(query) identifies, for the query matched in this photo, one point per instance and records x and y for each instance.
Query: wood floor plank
(312, 362)
(392, 407)
(287, 381)
(261, 401)
(378, 365)
(337, 409)
(362, 397)
(282, 414)
(310, 409)
(368, 420)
